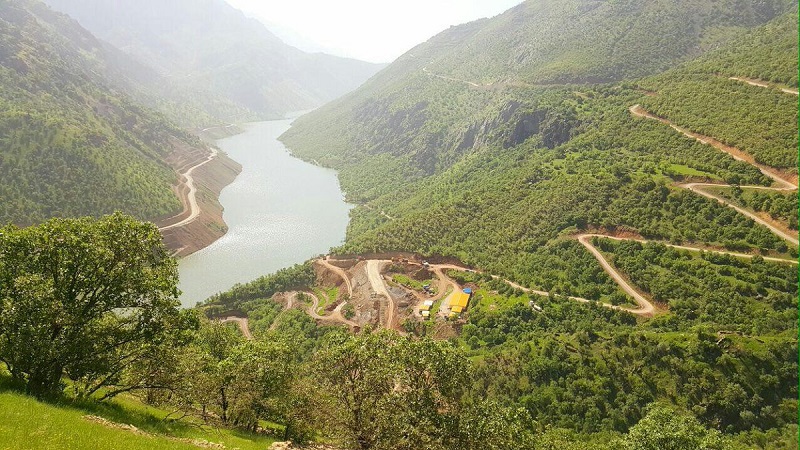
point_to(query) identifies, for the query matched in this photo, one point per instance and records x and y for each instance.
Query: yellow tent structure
(459, 300)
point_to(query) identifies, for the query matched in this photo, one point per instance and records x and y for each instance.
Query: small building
(460, 301)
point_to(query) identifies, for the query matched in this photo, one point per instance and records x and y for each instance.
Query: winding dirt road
(243, 324)
(646, 308)
(191, 196)
(373, 269)
(338, 271)
(639, 311)
(735, 153)
(784, 184)
(335, 317)
(455, 80)
(444, 282)
(784, 234)
(586, 240)
(338, 316)
(764, 84)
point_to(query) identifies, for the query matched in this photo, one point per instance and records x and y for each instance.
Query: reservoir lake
(280, 211)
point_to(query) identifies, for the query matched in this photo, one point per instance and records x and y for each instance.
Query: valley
(278, 211)
(572, 225)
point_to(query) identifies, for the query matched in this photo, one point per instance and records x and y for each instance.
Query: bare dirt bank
(209, 179)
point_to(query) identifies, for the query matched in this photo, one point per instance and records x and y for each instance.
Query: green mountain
(499, 166)
(502, 141)
(209, 46)
(73, 143)
(575, 147)
(547, 41)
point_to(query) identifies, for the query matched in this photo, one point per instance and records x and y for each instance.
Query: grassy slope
(28, 424)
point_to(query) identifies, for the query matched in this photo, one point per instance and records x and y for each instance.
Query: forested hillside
(614, 182)
(73, 143)
(502, 141)
(499, 173)
(208, 46)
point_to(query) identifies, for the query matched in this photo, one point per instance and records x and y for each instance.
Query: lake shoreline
(210, 179)
(209, 226)
(279, 211)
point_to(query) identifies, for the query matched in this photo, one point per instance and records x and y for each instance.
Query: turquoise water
(280, 211)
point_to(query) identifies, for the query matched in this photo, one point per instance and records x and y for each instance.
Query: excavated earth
(210, 179)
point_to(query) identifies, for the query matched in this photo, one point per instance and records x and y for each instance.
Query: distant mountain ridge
(538, 43)
(210, 46)
(502, 98)
(580, 41)
(72, 142)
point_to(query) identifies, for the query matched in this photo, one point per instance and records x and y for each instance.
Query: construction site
(390, 292)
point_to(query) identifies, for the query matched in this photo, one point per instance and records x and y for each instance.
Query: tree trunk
(223, 404)
(45, 383)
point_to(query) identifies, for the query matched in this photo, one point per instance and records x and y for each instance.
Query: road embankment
(200, 224)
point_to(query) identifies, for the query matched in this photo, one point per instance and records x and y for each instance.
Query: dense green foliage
(294, 278)
(501, 208)
(503, 173)
(63, 285)
(458, 149)
(667, 429)
(576, 41)
(767, 53)
(781, 207)
(713, 106)
(590, 368)
(72, 143)
(755, 297)
(382, 391)
(699, 96)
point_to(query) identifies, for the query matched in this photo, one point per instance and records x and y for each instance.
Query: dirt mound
(327, 277)
(209, 226)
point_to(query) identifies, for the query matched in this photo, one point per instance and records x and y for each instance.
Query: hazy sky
(372, 30)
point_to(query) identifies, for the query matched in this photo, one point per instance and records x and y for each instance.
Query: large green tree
(665, 428)
(83, 298)
(384, 391)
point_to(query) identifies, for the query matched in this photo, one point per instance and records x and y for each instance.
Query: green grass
(492, 301)
(26, 423)
(686, 171)
(326, 297)
(413, 284)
